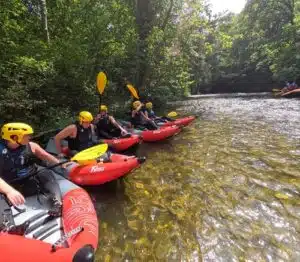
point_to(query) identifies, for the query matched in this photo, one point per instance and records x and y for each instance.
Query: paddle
(101, 83)
(172, 114)
(133, 91)
(81, 158)
(90, 154)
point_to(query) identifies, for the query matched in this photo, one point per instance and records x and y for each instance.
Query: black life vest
(16, 163)
(137, 119)
(83, 139)
(104, 124)
(151, 113)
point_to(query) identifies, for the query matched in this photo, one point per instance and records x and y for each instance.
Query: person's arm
(136, 110)
(67, 132)
(93, 128)
(96, 120)
(117, 125)
(14, 196)
(42, 154)
(145, 116)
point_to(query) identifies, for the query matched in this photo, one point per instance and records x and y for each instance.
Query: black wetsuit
(152, 115)
(105, 129)
(138, 121)
(19, 164)
(83, 140)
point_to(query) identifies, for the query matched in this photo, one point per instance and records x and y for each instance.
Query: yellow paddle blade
(90, 153)
(101, 82)
(133, 91)
(172, 114)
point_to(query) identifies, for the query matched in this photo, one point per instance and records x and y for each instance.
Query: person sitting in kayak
(294, 85)
(18, 161)
(289, 87)
(151, 114)
(139, 118)
(107, 127)
(80, 135)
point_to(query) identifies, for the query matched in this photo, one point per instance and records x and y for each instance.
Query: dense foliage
(51, 51)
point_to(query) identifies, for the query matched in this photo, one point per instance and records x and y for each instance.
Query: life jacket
(104, 124)
(16, 163)
(151, 113)
(137, 119)
(83, 139)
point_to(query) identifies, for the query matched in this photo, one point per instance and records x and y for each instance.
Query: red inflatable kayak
(96, 172)
(180, 121)
(122, 144)
(159, 134)
(102, 172)
(73, 237)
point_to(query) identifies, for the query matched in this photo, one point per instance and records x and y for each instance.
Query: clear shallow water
(225, 189)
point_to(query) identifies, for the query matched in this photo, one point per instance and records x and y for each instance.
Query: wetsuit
(105, 129)
(152, 115)
(83, 140)
(138, 121)
(18, 164)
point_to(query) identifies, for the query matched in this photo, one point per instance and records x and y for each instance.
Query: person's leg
(151, 125)
(115, 132)
(49, 185)
(167, 118)
(104, 134)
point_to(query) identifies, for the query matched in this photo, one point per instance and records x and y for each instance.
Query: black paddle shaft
(36, 172)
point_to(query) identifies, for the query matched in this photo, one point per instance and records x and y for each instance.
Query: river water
(225, 189)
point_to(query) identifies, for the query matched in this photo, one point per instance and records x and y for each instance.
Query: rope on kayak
(65, 237)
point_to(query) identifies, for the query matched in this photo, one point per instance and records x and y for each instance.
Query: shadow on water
(226, 189)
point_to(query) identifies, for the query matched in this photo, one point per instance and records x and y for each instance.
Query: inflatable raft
(97, 173)
(152, 135)
(122, 144)
(292, 94)
(73, 237)
(159, 134)
(179, 122)
(105, 169)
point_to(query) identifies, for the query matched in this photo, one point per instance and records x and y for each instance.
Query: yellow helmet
(85, 116)
(15, 129)
(103, 108)
(136, 104)
(149, 105)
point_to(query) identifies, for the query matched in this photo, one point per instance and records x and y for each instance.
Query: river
(225, 189)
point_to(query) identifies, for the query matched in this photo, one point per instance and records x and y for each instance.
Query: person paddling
(80, 135)
(107, 126)
(151, 114)
(139, 118)
(18, 161)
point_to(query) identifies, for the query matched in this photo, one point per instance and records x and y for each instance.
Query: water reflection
(226, 189)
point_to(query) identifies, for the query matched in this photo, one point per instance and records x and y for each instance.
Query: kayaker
(151, 114)
(289, 87)
(80, 135)
(18, 160)
(294, 85)
(139, 118)
(107, 126)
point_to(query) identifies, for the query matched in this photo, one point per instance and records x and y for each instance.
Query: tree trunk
(145, 21)
(44, 20)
